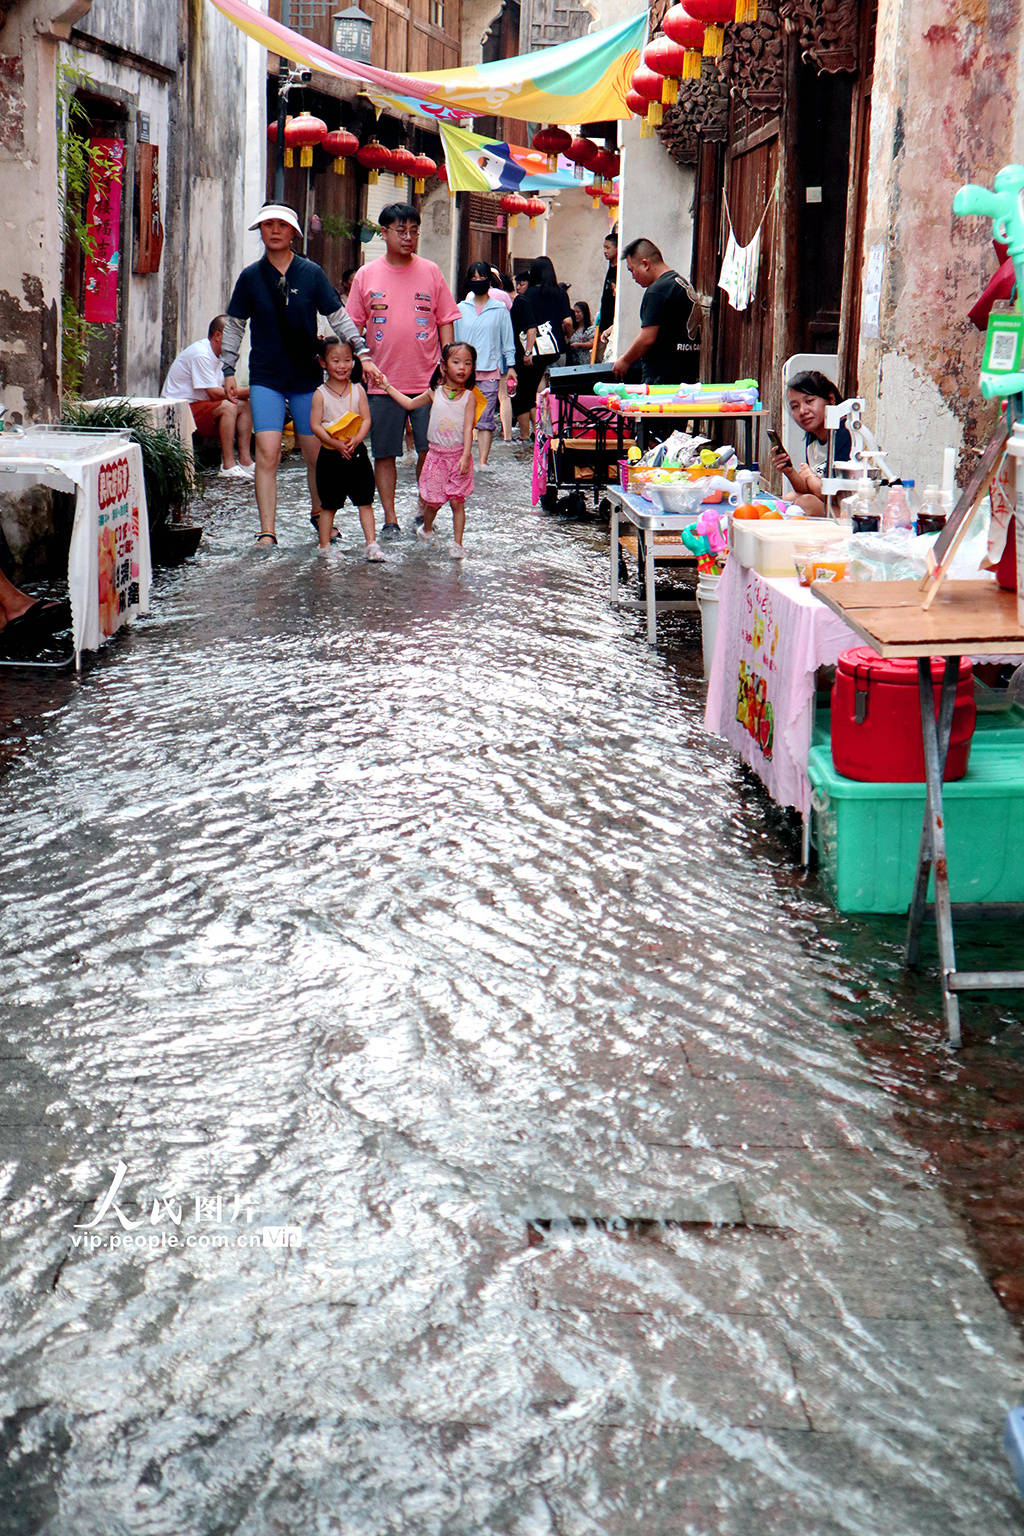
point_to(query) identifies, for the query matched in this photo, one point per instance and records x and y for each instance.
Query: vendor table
(968, 618)
(773, 635)
(628, 507)
(108, 563)
(641, 419)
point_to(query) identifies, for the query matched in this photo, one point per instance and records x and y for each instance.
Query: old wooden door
(745, 337)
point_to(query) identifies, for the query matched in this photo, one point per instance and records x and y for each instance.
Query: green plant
(337, 228)
(75, 334)
(167, 466)
(75, 162)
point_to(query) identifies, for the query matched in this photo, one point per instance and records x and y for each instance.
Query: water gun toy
(1002, 368)
(707, 538)
(626, 391)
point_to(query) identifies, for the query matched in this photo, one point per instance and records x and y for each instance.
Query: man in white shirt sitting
(195, 376)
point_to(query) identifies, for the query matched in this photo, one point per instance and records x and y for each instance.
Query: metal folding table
(968, 618)
(628, 507)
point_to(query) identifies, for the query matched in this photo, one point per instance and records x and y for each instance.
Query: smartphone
(775, 439)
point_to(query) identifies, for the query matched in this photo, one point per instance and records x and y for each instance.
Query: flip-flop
(50, 616)
(271, 536)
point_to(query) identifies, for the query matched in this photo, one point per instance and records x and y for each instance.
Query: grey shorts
(489, 389)
(387, 427)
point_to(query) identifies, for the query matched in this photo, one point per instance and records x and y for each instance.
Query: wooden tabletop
(967, 618)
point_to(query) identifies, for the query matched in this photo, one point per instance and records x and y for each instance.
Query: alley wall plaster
(30, 255)
(945, 110)
(657, 202)
(435, 229)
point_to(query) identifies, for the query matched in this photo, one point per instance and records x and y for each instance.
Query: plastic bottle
(913, 497)
(932, 513)
(860, 507)
(897, 513)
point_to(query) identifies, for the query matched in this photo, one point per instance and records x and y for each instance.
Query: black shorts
(338, 479)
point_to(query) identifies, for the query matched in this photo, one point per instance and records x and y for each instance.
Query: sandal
(271, 536)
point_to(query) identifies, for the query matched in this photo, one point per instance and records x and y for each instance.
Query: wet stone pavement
(410, 907)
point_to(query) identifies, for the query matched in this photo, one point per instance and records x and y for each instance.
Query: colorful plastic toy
(707, 538)
(1003, 207)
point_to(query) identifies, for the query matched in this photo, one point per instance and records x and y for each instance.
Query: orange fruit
(771, 512)
(746, 513)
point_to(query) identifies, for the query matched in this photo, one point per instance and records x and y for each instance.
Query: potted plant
(168, 470)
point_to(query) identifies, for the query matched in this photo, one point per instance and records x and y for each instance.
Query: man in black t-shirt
(666, 351)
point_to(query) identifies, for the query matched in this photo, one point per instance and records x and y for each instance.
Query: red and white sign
(103, 221)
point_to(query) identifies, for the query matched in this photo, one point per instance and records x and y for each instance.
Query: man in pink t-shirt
(402, 304)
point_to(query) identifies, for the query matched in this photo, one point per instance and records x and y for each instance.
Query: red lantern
(514, 205)
(305, 131)
(340, 144)
(636, 103)
(715, 14)
(422, 171)
(669, 59)
(648, 84)
(375, 157)
(684, 29)
(610, 199)
(606, 164)
(581, 152)
(403, 163)
(536, 207)
(552, 142)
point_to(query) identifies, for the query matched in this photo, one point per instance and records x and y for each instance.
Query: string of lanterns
(690, 32)
(305, 132)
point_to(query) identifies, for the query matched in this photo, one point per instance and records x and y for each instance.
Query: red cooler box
(876, 718)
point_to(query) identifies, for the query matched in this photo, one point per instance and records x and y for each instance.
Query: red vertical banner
(103, 221)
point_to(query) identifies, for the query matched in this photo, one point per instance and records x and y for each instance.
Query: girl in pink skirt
(447, 473)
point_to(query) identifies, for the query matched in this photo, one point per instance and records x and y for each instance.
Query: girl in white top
(343, 468)
(447, 473)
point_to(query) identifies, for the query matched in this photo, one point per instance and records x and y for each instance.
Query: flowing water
(433, 1103)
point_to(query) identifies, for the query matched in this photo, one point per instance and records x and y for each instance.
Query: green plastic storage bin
(867, 835)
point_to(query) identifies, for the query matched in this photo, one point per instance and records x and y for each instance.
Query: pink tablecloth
(772, 637)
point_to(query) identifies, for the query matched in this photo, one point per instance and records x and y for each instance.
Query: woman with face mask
(485, 324)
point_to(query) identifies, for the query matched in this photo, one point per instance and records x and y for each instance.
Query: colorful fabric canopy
(476, 164)
(582, 81)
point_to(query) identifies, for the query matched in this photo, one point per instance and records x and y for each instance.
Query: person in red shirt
(404, 307)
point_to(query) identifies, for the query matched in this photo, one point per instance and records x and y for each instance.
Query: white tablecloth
(109, 569)
(772, 637)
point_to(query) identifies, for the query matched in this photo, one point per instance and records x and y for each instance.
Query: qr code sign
(1003, 353)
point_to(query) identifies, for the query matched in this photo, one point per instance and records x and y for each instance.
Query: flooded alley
(521, 1146)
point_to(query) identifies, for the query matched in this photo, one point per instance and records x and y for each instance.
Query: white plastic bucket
(707, 602)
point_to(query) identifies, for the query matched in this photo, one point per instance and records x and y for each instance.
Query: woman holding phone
(807, 395)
